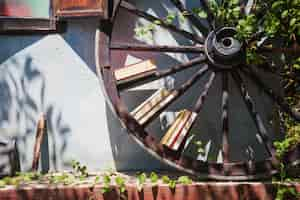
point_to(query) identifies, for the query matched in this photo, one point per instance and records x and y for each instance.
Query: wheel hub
(223, 49)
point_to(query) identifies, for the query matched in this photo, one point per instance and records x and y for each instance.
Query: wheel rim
(219, 53)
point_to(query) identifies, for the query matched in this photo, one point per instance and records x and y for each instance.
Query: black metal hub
(223, 49)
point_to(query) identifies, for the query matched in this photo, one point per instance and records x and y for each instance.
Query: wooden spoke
(156, 48)
(254, 114)
(278, 99)
(146, 71)
(176, 134)
(154, 105)
(204, 93)
(267, 68)
(178, 131)
(135, 71)
(195, 21)
(225, 123)
(130, 8)
(243, 4)
(295, 49)
(210, 15)
(181, 67)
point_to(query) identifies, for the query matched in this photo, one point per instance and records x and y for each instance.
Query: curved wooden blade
(132, 9)
(156, 48)
(155, 104)
(225, 123)
(278, 99)
(195, 21)
(262, 131)
(146, 71)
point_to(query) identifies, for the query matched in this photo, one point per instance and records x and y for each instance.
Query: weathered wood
(225, 118)
(156, 48)
(177, 133)
(40, 135)
(201, 98)
(79, 8)
(275, 97)
(28, 25)
(262, 131)
(160, 73)
(294, 49)
(195, 21)
(132, 9)
(135, 71)
(179, 129)
(241, 170)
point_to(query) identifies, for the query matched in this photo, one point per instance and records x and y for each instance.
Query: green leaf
(277, 4)
(2, 184)
(293, 21)
(153, 177)
(142, 178)
(199, 12)
(170, 18)
(284, 14)
(184, 180)
(172, 184)
(120, 181)
(296, 66)
(157, 22)
(165, 179)
(202, 14)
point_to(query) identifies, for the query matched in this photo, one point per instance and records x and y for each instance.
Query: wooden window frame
(31, 25)
(55, 23)
(98, 9)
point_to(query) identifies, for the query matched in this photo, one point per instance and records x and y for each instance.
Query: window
(26, 15)
(79, 8)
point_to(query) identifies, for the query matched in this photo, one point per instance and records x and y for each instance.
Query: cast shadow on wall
(23, 99)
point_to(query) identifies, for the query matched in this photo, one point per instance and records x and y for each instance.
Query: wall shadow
(23, 100)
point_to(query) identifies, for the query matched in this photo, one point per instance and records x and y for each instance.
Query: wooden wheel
(218, 54)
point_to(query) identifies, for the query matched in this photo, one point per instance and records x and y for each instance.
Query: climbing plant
(272, 25)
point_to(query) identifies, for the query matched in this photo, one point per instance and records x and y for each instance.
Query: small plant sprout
(184, 180)
(141, 179)
(106, 183)
(79, 170)
(154, 178)
(200, 147)
(120, 181)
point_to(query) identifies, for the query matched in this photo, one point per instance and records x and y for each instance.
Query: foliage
(79, 169)
(154, 177)
(184, 180)
(64, 178)
(141, 180)
(106, 183)
(19, 179)
(120, 181)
